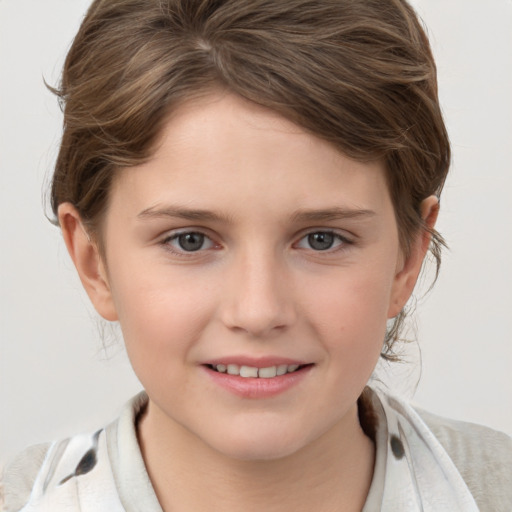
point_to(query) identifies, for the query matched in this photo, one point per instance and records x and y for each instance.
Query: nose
(258, 298)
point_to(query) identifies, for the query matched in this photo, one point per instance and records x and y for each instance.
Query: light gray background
(55, 378)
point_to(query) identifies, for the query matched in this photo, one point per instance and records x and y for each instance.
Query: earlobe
(88, 261)
(408, 271)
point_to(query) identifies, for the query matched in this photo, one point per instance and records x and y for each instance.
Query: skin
(256, 288)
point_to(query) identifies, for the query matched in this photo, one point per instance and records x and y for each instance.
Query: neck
(333, 471)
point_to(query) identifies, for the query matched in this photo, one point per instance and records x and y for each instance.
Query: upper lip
(255, 362)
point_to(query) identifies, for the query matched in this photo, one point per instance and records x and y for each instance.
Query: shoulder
(45, 476)
(19, 476)
(482, 456)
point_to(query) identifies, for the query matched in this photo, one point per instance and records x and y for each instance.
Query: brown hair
(357, 73)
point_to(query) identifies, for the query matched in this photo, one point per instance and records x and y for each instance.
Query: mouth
(257, 378)
(268, 372)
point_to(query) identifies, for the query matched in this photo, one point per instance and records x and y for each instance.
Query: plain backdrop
(55, 376)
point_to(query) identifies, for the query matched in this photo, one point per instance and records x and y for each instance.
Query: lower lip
(250, 387)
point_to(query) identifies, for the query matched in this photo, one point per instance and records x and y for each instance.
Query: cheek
(160, 312)
(350, 314)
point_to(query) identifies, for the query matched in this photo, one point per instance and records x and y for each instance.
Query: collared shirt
(423, 463)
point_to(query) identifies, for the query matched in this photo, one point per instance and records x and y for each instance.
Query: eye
(190, 241)
(322, 241)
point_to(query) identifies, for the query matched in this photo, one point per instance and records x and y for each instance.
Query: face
(252, 268)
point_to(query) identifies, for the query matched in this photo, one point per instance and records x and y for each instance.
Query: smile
(253, 372)
(259, 380)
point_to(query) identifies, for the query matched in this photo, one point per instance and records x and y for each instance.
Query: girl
(250, 189)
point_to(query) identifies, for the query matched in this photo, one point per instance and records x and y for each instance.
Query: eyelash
(166, 243)
(342, 242)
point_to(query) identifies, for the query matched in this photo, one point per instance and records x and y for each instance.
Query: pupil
(191, 241)
(321, 241)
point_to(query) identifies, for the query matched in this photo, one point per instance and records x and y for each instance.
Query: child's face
(292, 258)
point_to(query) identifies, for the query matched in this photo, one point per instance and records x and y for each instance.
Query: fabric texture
(423, 463)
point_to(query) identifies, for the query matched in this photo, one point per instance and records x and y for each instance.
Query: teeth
(233, 369)
(248, 371)
(282, 369)
(267, 373)
(251, 371)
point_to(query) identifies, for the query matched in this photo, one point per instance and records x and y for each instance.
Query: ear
(88, 261)
(409, 269)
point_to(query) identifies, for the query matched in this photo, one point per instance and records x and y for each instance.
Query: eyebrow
(330, 214)
(181, 212)
(302, 215)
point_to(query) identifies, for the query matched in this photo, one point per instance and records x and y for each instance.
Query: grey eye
(188, 242)
(321, 241)
(191, 241)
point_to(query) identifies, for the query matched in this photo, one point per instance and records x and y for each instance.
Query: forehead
(224, 150)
